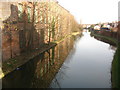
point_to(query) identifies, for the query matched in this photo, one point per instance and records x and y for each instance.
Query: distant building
(96, 27)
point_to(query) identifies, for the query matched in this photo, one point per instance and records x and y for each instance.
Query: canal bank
(76, 62)
(14, 63)
(109, 39)
(116, 69)
(41, 70)
(89, 66)
(115, 72)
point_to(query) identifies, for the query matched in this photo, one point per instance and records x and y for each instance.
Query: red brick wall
(10, 43)
(20, 36)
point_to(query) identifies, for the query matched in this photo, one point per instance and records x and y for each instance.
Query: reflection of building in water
(30, 25)
(40, 71)
(52, 62)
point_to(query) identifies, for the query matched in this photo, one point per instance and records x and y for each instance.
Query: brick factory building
(30, 25)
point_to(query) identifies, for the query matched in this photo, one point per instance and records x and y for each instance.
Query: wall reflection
(40, 71)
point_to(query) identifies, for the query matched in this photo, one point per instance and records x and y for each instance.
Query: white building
(97, 27)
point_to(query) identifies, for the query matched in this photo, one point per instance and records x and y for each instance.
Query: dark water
(77, 62)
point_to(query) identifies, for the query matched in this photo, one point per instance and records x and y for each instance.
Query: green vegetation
(92, 26)
(20, 12)
(29, 14)
(53, 27)
(105, 37)
(115, 71)
(116, 68)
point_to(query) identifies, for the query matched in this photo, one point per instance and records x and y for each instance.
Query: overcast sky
(92, 11)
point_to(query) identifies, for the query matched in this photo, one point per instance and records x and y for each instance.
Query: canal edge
(10, 65)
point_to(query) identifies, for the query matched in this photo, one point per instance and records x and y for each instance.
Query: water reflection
(40, 71)
(82, 62)
(89, 66)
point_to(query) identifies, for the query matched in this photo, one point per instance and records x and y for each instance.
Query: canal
(78, 62)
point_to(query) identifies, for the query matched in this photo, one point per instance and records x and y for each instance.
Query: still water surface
(88, 67)
(77, 62)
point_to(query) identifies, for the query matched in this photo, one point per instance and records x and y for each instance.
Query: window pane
(20, 11)
(29, 14)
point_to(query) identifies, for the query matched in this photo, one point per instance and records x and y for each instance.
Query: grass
(116, 68)
(105, 37)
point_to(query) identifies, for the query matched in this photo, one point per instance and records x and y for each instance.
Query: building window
(20, 12)
(29, 14)
(41, 19)
(36, 16)
(45, 20)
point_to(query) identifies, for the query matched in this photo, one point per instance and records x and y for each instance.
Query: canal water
(77, 62)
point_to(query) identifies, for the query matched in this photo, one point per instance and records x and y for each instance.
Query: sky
(92, 11)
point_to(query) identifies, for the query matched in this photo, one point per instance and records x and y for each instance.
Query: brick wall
(29, 25)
